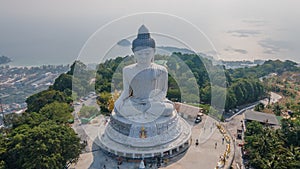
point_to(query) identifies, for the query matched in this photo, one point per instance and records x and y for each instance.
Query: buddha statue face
(145, 56)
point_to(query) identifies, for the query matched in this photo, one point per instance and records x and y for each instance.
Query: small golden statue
(143, 133)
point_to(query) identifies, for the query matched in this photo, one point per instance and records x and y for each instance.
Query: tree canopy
(41, 137)
(77, 79)
(270, 66)
(58, 112)
(268, 148)
(47, 145)
(39, 100)
(188, 73)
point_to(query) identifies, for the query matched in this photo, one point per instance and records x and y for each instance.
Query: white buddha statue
(145, 84)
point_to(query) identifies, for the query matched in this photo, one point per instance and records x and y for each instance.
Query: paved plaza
(205, 155)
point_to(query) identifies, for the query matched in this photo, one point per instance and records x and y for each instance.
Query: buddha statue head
(143, 40)
(143, 46)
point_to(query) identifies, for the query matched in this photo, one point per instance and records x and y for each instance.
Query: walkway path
(205, 155)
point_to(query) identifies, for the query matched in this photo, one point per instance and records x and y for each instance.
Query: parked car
(198, 118)
(77, 103)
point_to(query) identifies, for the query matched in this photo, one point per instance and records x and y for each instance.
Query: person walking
(216, 144)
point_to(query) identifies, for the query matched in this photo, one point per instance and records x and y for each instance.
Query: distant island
(4, 60)
(175, 49)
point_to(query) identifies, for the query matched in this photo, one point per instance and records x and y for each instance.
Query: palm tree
(293, 157)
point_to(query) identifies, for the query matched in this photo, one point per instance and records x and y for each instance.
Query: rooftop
(261, 117)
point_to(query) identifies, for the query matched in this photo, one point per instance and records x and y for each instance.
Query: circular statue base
(163, 137)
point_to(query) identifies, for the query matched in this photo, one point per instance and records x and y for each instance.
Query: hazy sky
(54, 31)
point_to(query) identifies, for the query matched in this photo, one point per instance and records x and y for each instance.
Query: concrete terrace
(205, 155)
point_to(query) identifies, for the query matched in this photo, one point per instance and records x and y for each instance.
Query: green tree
(270, 66)
(245, 91)
(77, 67)
(103, 101)
(78, 80)
(63, 82)
(47, 145)
(205, 94)
(3, 150)
(29, 118)
(259, 107)
(291, 130)
(231, 100)
(58, 112)
(269, 148)
(39, 100)
(253, 128)
(277, 109)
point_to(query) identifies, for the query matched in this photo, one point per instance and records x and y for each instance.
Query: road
(274, 98)
(241, 111)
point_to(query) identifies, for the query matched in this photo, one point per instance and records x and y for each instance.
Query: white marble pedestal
(165, 136)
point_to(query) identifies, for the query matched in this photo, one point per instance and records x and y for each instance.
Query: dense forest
(268, 148)
(270, 66)
(196, 78)
(42, 137)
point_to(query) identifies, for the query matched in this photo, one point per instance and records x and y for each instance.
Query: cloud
(244, 33)
(271, 46)
(240, 51)
(254, 22)
(211, 52)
